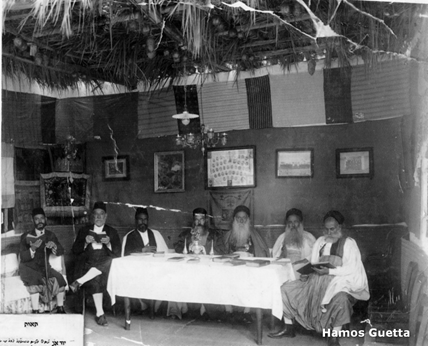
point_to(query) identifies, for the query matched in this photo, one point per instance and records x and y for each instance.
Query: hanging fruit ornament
(33, 49)
(233, 33)
(216, 20)
(132, 26)
(45, 59)
(240, 35)
(38, 59)
(244, 57)
(17, 41)
(151, 55)
(285, 9)
(166, 52)
(176, 57)
(184, 58)
(311, 66)
(146, 29)
(150, 44)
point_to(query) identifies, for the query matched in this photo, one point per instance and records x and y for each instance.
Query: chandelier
(205, 138)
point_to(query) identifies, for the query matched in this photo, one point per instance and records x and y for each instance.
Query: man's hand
(34, 246)
(105, 240)
(322, 271)
(51, 245)
(89, 239)
(304, 277)
(149, 249)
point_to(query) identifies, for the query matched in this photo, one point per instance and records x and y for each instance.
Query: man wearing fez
(243, 237)
(323, 300)
(141, 239)
(206, 237)
(35, 248)
(200, 239)
(295, 243)
(246, 240)
(96, 245)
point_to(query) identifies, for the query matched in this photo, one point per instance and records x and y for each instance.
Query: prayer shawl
(350, 277)
(260, 247)
(306, 249)
(132, 242)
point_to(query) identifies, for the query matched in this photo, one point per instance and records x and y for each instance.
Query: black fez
(100, 205)
(241, 208)
(141, 211)
(38, 211)
(294, 211)
(199, 211)
(335, 215)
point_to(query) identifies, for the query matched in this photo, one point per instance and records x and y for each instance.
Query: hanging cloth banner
(222, 204)
(7, 176)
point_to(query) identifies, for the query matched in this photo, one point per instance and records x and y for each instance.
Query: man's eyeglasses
(241, 219)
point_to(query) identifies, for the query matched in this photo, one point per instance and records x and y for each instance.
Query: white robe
(350, 277)
(306, 250)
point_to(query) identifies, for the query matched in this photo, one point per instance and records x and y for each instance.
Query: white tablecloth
(205, 282)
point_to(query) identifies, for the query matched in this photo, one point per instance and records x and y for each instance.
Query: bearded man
(200, 239)
(35, 248)
(96, 245)
(243, 237)
(142, 239)
(323, 301)
(206, 237)
(295, 243)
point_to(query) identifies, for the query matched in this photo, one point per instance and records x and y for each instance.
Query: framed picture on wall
(354, 163)
(230, 168)
(116, 167)
(169, 171)
(295, 163)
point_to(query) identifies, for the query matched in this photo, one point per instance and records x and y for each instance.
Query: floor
(190, 332)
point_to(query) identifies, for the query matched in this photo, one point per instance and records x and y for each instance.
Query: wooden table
(206, 282)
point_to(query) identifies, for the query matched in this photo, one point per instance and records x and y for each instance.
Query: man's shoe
(102, 321)
(75, 286)
(127, 325)
(60, 310)
(247, 318)
(333, 341)
(35, 311)
(287, 332)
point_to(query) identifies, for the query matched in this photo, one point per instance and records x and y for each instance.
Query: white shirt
(145, 237)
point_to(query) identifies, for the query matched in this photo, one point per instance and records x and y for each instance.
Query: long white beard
(240, 233)
(294, 237)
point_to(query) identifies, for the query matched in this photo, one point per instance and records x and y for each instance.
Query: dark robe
(258, 245)
(215, 237)
(87, 257)
(33, 270)
(134, 242)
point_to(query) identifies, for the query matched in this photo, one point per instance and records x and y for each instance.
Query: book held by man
(309, 267)
(98, 236)
(33, 238)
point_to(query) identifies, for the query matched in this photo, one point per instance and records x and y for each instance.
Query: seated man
(141, 239)
(245, 239)
(96, 245)
(35, 249)
(324, 300)
(295, 243)
(201, 239)
(208, 238)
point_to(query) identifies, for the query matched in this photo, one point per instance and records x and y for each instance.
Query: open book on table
(308, 268)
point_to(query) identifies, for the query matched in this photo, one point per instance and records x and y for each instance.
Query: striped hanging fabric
(259, 102)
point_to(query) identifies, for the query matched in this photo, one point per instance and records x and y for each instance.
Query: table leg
(259, 321)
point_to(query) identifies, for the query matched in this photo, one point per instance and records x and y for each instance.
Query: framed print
(65, 194)
(231, 168)
(116, 167)
(169, 171)
(294, 163)
(354, 163)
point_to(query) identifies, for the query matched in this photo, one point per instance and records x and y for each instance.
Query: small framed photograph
(169, 171)
(230, 168)
(295, 163)
(116, 167)
(354, 163)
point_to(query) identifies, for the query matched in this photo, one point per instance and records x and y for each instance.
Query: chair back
(9, 265)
